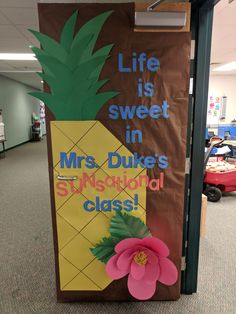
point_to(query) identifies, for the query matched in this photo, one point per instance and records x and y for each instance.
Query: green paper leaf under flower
(104, 250)
(122, 226)
(126, 226)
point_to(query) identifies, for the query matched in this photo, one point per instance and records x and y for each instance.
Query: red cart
(217, 182)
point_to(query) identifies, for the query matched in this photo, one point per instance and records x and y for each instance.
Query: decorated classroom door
(116, 123)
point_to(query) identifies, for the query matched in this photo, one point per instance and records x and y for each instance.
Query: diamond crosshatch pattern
(77, 229)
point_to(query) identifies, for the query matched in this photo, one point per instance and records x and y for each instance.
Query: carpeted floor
(26, 261)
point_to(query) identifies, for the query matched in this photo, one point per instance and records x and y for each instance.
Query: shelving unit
(221, 130)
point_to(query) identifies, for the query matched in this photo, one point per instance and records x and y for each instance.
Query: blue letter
(141, 59)
(86, 204)
(142, 112)
(127, 112)
(117, 205)
(163, 162)
(155, 111)
(64, 160)
(140, 87)
(139, 136)
(90, 162)
(148, 87)
(113, 112)
(110, 163)
(153, 64)
(149, 162)
(128, 205)
(120, 64)
(165, 106)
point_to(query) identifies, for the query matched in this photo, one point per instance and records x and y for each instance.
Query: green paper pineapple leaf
(72, 68)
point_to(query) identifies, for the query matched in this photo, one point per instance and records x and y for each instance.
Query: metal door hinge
(187, 165)
(191, 140)
(192, 55)
(191, 86)
(183, 263)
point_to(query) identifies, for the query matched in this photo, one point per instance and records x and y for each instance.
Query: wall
(225, 85)
(17, 108)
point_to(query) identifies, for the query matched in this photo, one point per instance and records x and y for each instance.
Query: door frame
(201, 28)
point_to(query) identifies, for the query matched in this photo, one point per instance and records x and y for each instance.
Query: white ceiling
(16, 16)
(224, 35)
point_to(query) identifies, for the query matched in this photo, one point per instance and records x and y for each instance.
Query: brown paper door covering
(167, 137)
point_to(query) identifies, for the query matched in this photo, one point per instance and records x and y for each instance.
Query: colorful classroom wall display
(116, 114)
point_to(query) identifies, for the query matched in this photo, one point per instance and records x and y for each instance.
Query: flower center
(141, 258)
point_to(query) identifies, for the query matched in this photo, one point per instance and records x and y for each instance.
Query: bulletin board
(116, 149)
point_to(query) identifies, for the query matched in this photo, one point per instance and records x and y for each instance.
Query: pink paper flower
(145, 261)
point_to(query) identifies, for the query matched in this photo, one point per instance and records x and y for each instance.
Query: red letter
(62, 187)
(154, 185)
(161, 180)
(100, 186)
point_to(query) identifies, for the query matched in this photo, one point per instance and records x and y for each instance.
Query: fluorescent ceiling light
(17, 56)
(19, 71)
(226, 67)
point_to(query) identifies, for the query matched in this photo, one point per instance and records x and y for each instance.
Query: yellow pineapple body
(77, 229)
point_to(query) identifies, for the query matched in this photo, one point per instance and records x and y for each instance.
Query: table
(3, 147)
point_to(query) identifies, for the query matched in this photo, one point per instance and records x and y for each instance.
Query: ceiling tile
(229, 56)
(25, 65)
(213, 73)
(21, 16)
(220, 6)
(58, 1)
(27, 34)
(224, 30)
(226, 16)
(221, 48)
(4, 66)
(220, 31)
(223, 58)
(18, 3)
(17, 45)
(25, 29)
(4, 20)
(9, 31)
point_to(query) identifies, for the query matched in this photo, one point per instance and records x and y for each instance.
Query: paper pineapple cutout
(71, 68)
(77, 229)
